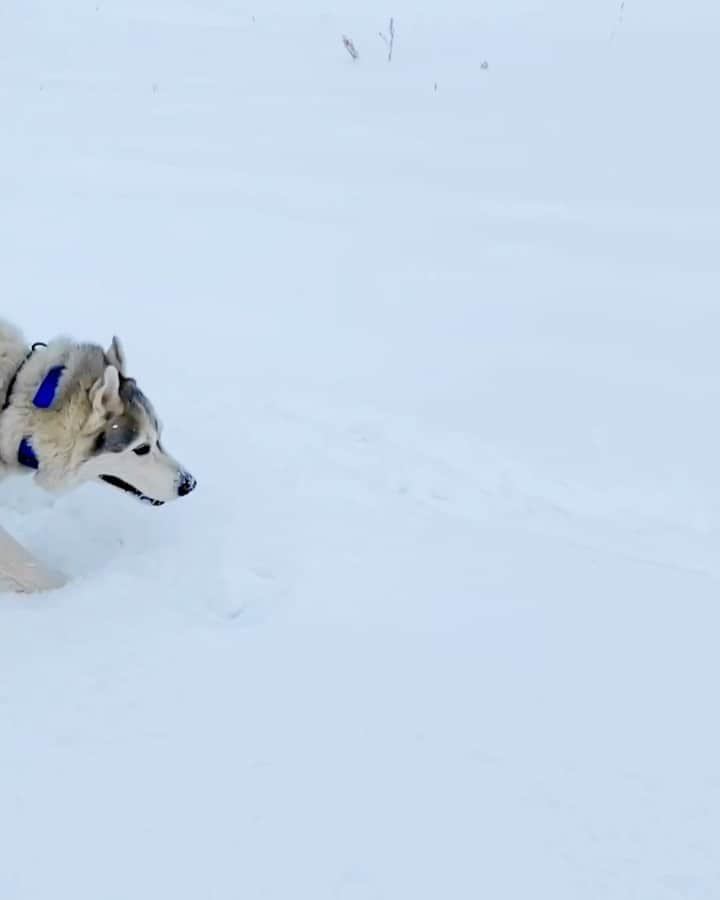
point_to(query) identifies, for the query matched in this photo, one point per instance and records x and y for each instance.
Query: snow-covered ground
(440, 343)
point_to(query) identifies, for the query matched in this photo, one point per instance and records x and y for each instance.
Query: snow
(439, 343)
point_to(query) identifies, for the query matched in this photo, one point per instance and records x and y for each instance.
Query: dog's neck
(16, 373)
(43, 399)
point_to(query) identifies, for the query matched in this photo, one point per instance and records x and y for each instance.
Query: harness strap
(26, 455)
(45, 394)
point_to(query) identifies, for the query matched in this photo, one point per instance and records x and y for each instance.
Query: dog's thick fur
(99, 426)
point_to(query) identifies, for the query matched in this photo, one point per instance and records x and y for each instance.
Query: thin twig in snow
(350, 47)
(389, 39)
(618, 24)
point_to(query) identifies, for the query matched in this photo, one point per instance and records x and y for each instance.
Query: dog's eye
(142, 450)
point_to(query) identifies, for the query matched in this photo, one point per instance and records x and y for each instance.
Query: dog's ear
(105, 393)
(115, 355)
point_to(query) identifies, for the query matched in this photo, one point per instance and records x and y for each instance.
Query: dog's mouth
(129, 489)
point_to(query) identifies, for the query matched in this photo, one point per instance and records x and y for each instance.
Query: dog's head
(120, 440)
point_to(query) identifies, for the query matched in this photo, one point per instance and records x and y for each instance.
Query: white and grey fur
(100, 426)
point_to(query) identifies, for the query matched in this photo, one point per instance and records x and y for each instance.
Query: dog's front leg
(20, 571)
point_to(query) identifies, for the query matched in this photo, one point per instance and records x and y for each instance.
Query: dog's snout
(187, 484)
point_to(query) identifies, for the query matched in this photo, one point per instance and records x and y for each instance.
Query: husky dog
(72, 415)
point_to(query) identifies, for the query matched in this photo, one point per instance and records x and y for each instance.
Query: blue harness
(43, 399)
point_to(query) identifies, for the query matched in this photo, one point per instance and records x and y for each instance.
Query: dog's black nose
(187, 484)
